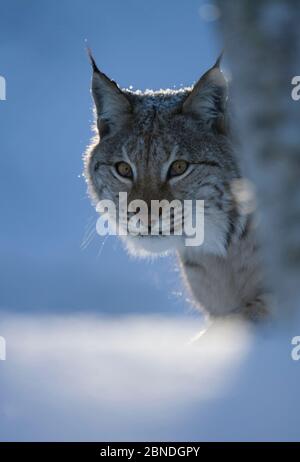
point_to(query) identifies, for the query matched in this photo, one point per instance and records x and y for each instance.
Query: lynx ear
(208, 98)
(111, 103)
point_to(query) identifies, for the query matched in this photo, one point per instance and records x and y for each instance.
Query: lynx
(177, 145)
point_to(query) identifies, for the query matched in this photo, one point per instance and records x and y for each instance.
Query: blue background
(95, 377)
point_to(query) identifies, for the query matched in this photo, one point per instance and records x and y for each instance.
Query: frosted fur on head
(149, 131)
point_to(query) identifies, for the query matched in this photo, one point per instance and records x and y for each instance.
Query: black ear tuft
(218, 61)
(92, 60)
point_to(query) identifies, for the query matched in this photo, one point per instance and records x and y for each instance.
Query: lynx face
(166, 145)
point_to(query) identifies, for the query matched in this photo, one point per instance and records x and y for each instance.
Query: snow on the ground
(140, 378)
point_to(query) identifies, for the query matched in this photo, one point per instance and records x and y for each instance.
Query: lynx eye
(178, 168)
(124, 169)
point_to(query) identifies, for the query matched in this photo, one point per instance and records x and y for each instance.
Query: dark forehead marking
(149, 132)
(151, 109)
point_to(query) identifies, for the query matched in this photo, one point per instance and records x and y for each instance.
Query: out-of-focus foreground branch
(262, 42)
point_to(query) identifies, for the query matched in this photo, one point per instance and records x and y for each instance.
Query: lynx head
(165, 145)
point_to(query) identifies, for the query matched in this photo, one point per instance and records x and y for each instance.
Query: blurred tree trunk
(262, 42)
